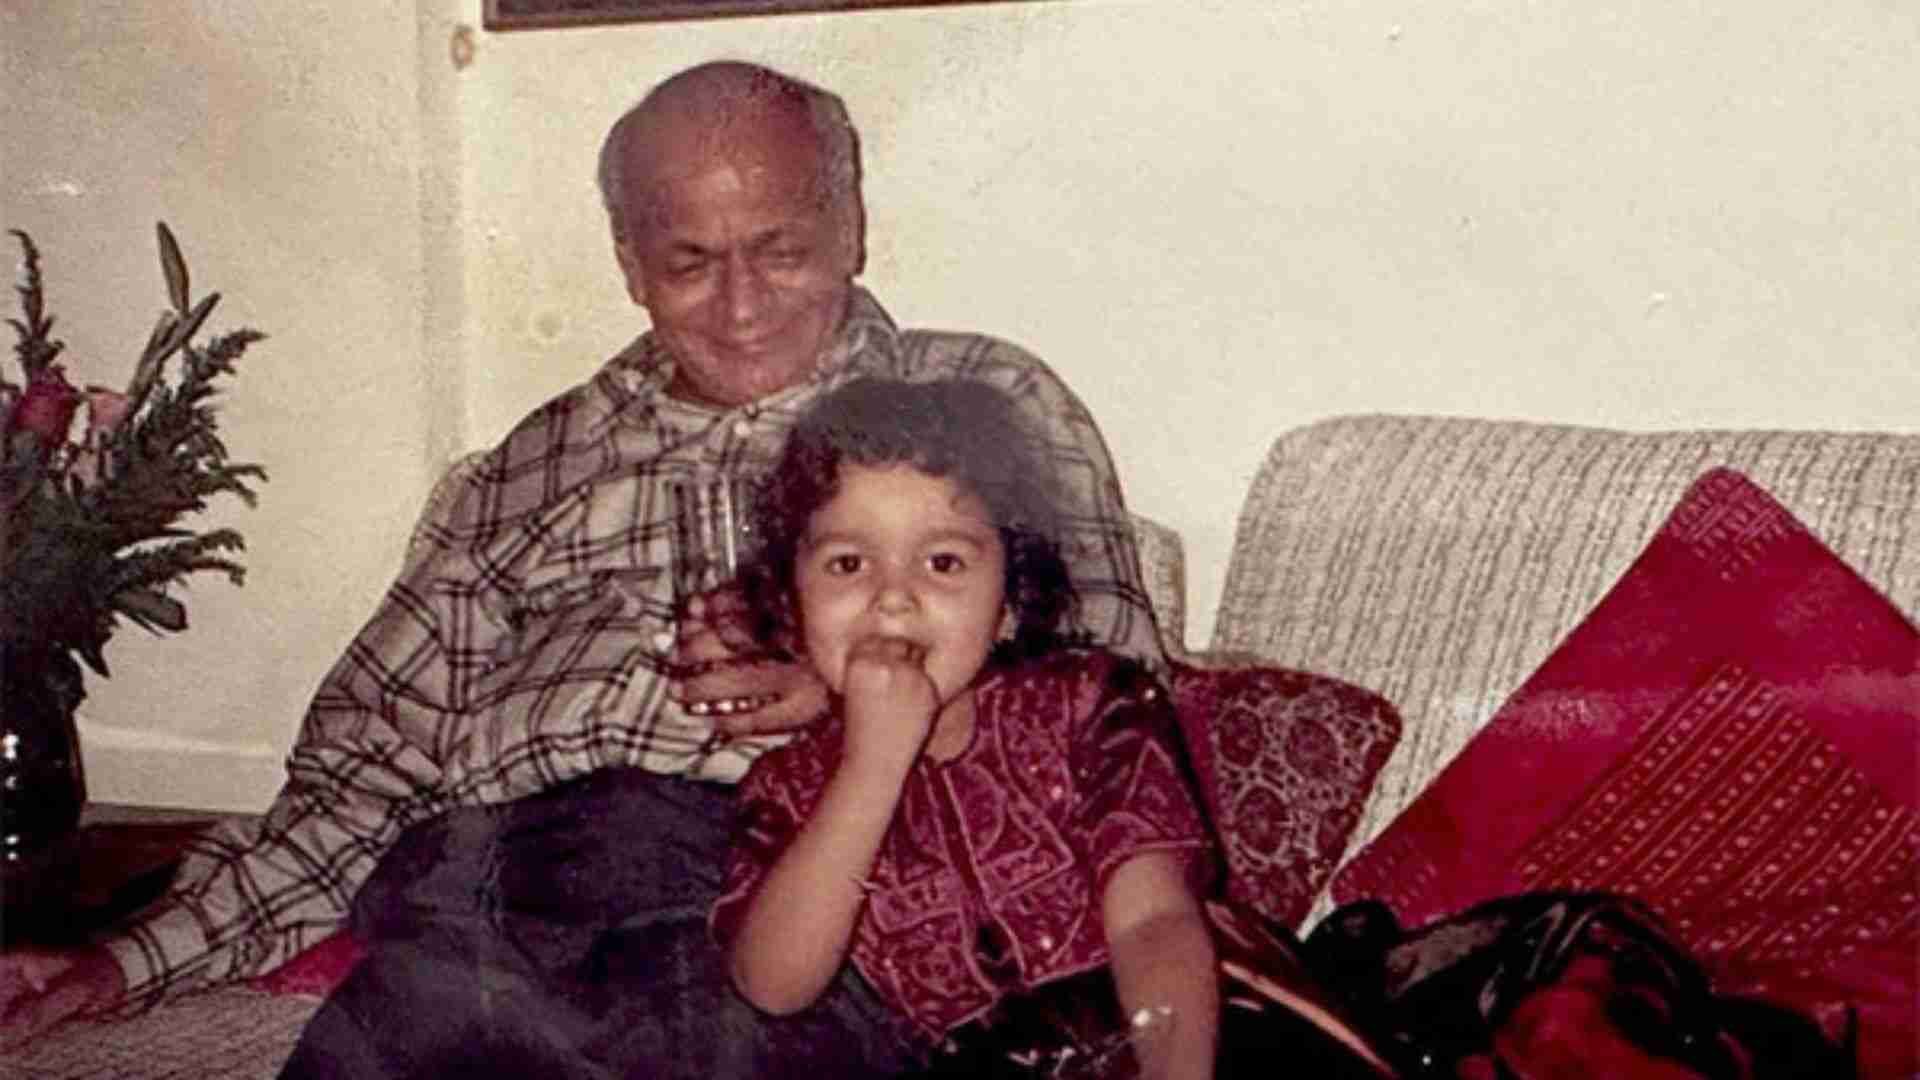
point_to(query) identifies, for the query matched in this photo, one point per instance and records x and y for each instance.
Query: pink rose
(46, 407)
(106, 410)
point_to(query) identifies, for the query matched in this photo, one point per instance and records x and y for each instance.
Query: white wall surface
(282, 143)
(1217, 218)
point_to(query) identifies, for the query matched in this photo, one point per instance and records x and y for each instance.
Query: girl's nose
(894, 593)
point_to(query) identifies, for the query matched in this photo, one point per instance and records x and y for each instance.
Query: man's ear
(855, 235)
(630, 269)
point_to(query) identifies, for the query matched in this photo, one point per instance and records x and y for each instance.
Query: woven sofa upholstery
(1438, 561)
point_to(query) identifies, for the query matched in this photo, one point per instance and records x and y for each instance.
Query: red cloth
(989, 879)
(1567, 1031)
(1733, 736)
(317, 969)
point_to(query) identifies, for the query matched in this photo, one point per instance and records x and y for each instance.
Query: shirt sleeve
(778, 794)
(1135, 790)
(476, 680)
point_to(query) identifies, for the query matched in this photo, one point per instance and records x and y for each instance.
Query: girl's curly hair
(966, 431)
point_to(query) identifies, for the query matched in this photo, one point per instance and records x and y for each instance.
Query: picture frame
(547, 14)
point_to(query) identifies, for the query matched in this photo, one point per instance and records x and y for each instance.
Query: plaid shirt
(527, 646)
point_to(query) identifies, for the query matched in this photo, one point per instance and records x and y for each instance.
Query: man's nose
(743, 291)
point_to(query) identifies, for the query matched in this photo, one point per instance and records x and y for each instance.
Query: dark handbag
(1276, 1019)
(1555, 985)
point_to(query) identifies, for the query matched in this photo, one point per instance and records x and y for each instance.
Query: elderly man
(530, 738)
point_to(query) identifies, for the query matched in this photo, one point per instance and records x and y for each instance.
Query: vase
(42, 785)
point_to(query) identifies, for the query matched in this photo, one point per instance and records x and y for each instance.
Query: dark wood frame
(543, 14)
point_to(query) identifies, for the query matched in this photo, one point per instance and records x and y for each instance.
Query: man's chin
(747, 377)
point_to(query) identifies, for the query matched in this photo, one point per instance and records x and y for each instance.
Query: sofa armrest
(1163, 570)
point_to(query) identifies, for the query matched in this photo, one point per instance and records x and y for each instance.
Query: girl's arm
(1163, 957)
(795, 934)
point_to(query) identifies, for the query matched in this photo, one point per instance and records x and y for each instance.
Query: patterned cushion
(1437, 560)
(1285, 760)
(1733, 737)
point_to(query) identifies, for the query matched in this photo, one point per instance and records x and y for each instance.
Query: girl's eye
(946, 563)
(843, 564)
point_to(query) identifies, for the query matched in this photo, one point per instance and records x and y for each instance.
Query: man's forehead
(689, 178)
(679, 138)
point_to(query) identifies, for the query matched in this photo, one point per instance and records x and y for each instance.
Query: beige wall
(283, 144)
(1217, 218)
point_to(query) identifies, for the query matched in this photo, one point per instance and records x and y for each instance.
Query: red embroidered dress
(989, 880)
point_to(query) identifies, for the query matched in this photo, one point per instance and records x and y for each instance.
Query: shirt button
(1046, 941)
(663, 641)
(1057, 793)
(742, 427)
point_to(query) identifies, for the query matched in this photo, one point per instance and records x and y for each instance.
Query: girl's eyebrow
(976, 536)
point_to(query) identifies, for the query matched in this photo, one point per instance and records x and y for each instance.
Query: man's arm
(1099, 546)
(425, 709)
(249, 897)
(246, 898)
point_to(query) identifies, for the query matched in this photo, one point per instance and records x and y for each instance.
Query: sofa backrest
(1437, 561)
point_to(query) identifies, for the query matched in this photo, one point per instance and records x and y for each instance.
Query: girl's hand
(890, 699)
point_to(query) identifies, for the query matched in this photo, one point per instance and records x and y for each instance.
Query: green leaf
(150, 608)
(190, 325)
(95, 656)
(147, 371)
(174, 266)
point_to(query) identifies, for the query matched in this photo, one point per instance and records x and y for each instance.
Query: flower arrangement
(90, 528)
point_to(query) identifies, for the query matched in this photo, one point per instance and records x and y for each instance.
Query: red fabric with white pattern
(1732, 736)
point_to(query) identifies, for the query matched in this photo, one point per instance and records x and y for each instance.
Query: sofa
(1399, 584)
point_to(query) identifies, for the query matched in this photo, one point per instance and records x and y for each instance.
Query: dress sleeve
(778, 794)
(1135, 789)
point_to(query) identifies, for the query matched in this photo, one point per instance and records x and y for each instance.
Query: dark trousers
(564, 935)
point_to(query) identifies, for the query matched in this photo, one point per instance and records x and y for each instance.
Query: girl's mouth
(893, 647)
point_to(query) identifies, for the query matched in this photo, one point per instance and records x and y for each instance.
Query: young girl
(987, 812)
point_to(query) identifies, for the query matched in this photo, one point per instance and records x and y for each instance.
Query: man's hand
(890, 700)
(745, 686)
(40, 988)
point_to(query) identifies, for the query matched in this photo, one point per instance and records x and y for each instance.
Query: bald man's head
(734, 197)
(731, 109)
